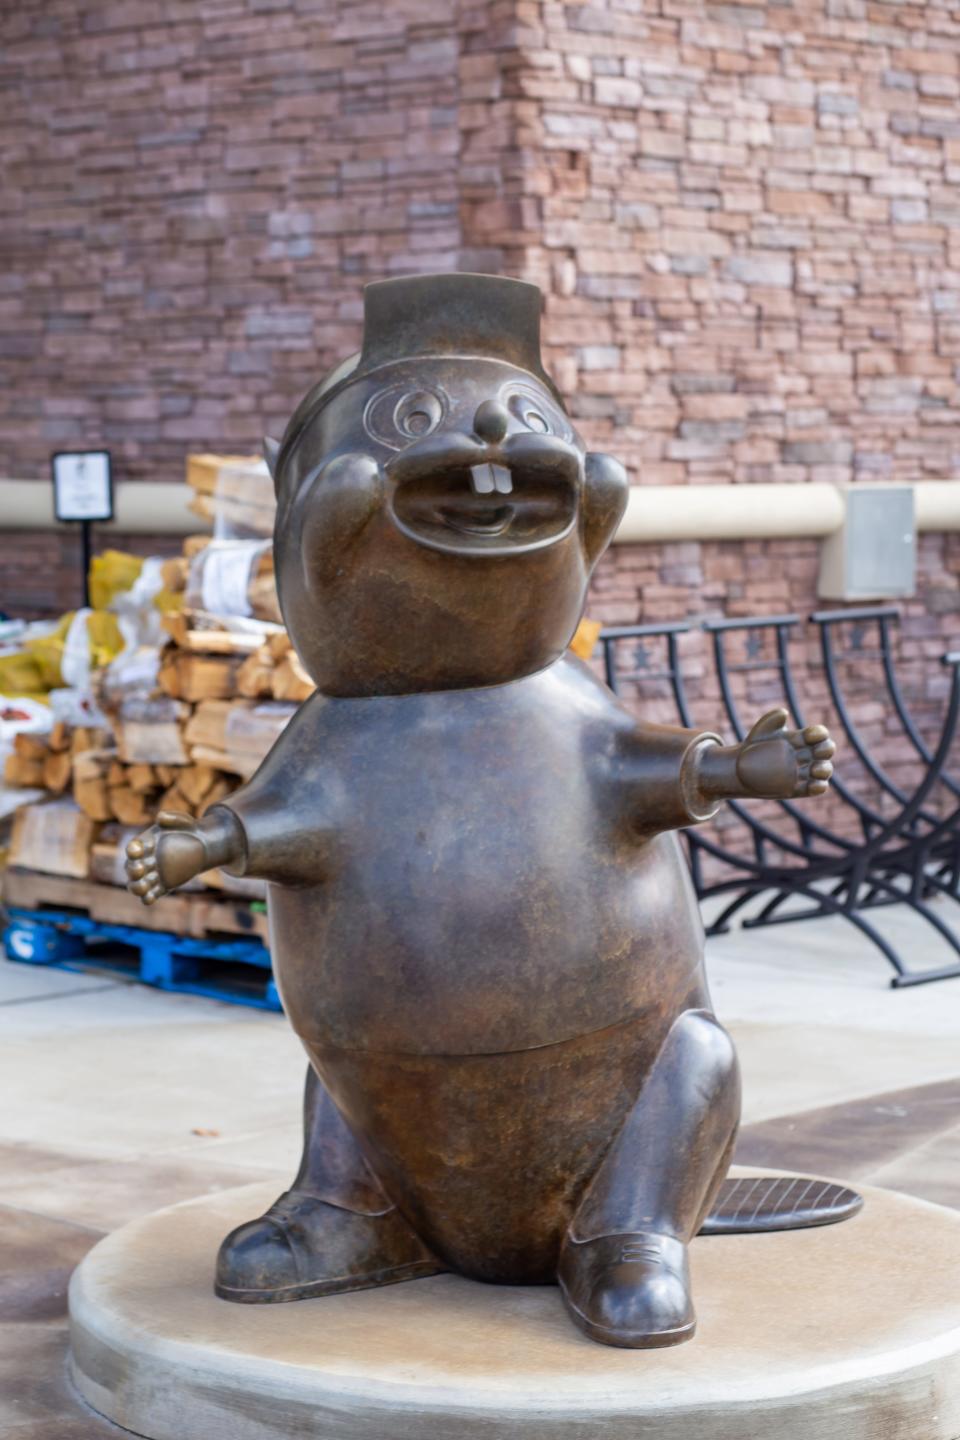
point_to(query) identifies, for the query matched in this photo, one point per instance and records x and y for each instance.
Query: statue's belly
(488, 1156)
(502, 941)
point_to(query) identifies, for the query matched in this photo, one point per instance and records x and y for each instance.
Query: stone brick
(715, 407)
(908, 212)
(939, 59)
(711, 430)
(804, 202)
(822, 452)
(760, 269)
(599, 357)
(617, 90)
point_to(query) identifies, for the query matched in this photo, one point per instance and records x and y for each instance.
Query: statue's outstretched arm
(680, 777)
(274, 828)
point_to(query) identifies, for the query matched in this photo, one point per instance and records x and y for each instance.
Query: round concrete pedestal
(851, 1331)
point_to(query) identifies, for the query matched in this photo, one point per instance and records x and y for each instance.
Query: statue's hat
(483, 316)
(487, 316)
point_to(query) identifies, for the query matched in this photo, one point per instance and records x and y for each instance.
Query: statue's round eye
(418, 414)
(535, 412)
(396, 416)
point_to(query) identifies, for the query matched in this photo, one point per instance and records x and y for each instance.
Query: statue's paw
(776, 762)
(165, 856)
(814, 756)
(143, 874)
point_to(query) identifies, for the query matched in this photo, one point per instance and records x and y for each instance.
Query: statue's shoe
(628, 1290)
(303, 1247)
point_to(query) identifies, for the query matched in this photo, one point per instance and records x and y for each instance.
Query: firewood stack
(227, 683)
(48, 762)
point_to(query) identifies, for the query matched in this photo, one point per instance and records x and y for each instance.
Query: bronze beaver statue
(483, 928)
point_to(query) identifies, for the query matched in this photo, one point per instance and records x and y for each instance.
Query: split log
(108, 854)
(290, 681)
(263, 598)
(222, 642)
(57, 769)
(88, 737)
(18, 771)
(235, 736)
(59, 737)
(90, 770)
(174, 573)
(208, 724)
(30, 747)
(141, 778)
(130, 808)
(174, 799)
(223, 786)
(195, 782)
(116, 775)
(255, 676)
(184, 676)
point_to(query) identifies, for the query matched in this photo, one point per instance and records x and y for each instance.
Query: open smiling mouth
(478, 521)
(487, 507)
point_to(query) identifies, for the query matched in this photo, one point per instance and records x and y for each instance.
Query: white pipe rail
(655, 513)
(730, 512)
(141, 507)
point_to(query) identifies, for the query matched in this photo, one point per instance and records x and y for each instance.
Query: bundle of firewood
(55, 838)
(234, 736)
(46, 762)
(107, 789)
(234, 492)
(208, 659)
(206, 575)
(86, 764)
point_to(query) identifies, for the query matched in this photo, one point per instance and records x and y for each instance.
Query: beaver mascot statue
(483, 928)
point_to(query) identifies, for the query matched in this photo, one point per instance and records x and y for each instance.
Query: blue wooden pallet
(237, 971)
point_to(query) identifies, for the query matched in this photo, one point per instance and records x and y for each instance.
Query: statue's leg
(333, 1230)
(623, 1266)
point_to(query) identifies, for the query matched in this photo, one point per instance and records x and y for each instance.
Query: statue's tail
(752, 1204)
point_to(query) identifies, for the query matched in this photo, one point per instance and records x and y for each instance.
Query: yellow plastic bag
(106, 642)
(38, 667)
(47, 652)
(20, 674)
(111, 573)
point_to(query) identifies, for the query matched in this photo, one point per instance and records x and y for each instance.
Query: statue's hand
(166, 855)
(778, 763)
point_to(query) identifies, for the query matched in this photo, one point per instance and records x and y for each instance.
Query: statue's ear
(605, 499)
(271, 449)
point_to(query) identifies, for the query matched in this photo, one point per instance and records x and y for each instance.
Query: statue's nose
(491, 421)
